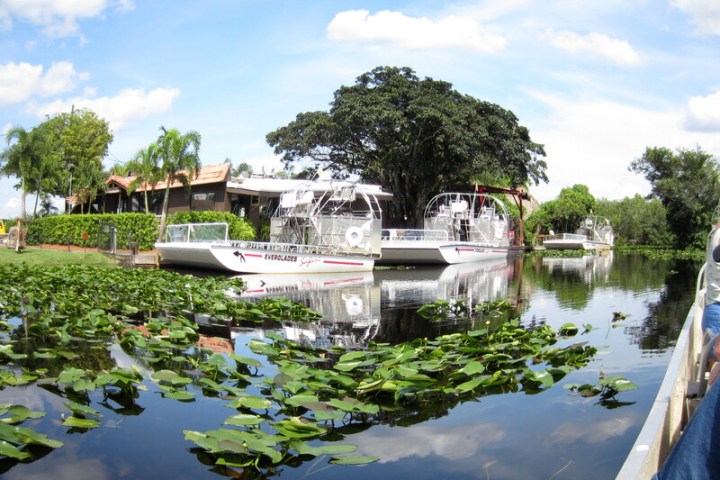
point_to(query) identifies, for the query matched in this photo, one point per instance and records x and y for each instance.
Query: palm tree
(179, 154)
(21, 160)
(47, 207)
(146, 169)
(90, 178)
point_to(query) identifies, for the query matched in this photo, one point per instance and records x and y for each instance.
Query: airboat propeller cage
(469, 217)
(342, 215)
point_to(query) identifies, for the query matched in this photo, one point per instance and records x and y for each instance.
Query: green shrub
(82, 230)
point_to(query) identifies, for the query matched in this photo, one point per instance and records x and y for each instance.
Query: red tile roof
(215, 173)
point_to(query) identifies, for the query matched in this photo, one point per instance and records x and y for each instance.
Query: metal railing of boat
(414, 235)
(681, 390)
(300, 248)
(197, 232)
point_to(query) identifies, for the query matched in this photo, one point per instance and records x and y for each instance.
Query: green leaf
(473, 368)
(11, 451)
(250, 401)
(243, 419)
(20, 413)
(182, 395)
(80, 422)
(359, 460)
(303, 448)
(80, 409)
(298, 427)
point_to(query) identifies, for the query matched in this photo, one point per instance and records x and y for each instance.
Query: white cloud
(413, 33)
(705, 14)
(617, 51)
(128, 106)
(597, 432)
(704, 113)
(21, 81)
(451, 442)
(265, 164)
(593, 142)
(10, 207)
(57, 18)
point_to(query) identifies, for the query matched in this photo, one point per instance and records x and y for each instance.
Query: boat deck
(681, 391)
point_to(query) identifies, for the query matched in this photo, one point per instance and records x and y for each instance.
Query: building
(212, 189)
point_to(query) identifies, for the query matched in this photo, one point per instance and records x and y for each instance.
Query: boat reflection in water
(590, 268)
(379, 305)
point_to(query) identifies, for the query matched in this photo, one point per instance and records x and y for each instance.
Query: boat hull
(420, 252)
(260, 258)
(574, 244)
(262, 285)
(678, 395)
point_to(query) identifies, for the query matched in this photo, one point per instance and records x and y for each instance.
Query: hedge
(83, 230)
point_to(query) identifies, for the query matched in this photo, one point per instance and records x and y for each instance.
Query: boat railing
(681, 390)
(277, 247)
(572, 236)
(197, 232)
(414, 235)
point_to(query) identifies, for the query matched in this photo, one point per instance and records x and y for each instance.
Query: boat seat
(698, 385)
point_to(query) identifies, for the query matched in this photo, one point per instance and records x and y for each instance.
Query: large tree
(687, 183)
(179, 161)
(563, 214)
(415, 137)
(80, 140)
(637, 221)
(31, 159)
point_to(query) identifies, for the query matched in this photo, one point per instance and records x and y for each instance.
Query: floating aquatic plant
(289, 401)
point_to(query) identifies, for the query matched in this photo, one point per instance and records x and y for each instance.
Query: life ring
(354, 236)
(353, 304)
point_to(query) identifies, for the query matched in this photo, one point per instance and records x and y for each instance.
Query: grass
(39, 256)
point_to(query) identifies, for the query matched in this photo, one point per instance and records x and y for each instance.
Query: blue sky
(595, 82)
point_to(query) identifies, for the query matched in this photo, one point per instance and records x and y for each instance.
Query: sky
(595, 82)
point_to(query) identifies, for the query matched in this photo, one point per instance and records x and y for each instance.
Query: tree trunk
(147, 205)
(163, 216)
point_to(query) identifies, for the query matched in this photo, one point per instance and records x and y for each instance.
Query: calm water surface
(555, 434)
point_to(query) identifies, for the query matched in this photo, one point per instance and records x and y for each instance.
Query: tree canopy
(687, 183)
(563, 214)
(415, 137)
(46, 158)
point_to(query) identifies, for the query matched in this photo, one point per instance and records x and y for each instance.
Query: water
(554, 434)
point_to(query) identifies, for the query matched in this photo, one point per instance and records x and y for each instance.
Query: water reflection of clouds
(597, 432)
(66, 467)
(34, 398)
(391, 444)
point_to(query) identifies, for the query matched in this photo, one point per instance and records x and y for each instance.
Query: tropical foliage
(146, 169)
(65, 149)
(84, 230)
(687, 183)
(563, 214)
(637, 221)
(179, 155)
(415, 137)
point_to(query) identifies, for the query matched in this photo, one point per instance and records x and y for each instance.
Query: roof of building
(276, 186)
(214, 173)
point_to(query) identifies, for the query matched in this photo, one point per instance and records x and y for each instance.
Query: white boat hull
(261, 285)
(574, 244)
(256, 257)
(682, 388)
(422, 252)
